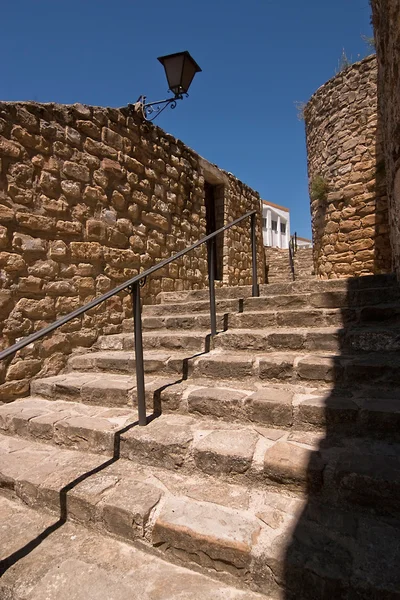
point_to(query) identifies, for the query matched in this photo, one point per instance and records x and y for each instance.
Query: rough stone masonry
(346, 168)
(88, 198)
(386, 18)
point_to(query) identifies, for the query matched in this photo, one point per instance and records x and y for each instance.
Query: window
(274, 226)
(265, 223)
(283, 227)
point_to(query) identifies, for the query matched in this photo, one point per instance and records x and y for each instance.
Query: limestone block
(72, 189)
(9, 148)
(270, 406)
(76, 171)
(29, 245)
(218, 452)
(86, 251)
(35, 222)
(126, 509)
(294, 466)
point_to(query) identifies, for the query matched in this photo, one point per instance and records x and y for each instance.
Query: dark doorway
(214, 202)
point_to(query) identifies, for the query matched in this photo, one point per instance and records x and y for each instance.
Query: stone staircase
(270, 467)
(304, 263)
(278, 266)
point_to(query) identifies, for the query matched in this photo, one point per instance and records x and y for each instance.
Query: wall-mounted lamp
(180, 68)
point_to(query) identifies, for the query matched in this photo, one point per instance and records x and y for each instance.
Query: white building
(303, 242)
(276, 225)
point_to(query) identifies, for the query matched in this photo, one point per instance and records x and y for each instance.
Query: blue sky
(258, 58)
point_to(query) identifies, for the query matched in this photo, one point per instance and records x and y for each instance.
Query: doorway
(214, 202)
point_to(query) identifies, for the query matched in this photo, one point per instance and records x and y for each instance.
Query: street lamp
(180, 68)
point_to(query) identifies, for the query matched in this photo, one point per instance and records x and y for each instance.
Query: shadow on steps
(346, 543)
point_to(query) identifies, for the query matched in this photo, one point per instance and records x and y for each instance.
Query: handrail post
(255, 290)
(211, 284)
(137, 327)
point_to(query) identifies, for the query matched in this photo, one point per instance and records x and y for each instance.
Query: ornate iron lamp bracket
(151, 110)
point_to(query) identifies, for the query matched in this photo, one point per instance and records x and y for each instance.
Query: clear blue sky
(258, 57)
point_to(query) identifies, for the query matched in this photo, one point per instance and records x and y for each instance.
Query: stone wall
(88, 197)
(386, 19)
(346, 171)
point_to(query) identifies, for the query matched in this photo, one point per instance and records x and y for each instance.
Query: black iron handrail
(133, 285)
(292, 252)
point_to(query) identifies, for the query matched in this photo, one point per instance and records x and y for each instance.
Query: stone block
(369, 480)
(326, 410)
(164, 442)
(270, 406)
(316, 367)
(76, 171)
(126, 508)
(293, 466)
(225, 451)
(86, 251)
(219, 402)
(227, 537)
(224, 366)
(155, 220)
(276, 366)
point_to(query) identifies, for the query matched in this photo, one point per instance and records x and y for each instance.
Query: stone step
(357, 338)
(344, 471)
(293, 367)
(363, 411)
(351, 339)
(112, 390)
(75, 563)
(305, 317)
(121, 500)
(195, 341)
(201, 306)
(311, 285)
(254, 538)
(171, 365)
(335, 298)
(290, 367)
(356, 300)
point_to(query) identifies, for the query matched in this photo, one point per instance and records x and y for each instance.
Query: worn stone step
(334, 298)
(285, 408)
(76, 563)
(351, 339)
(103, 389)
(315, 368)
(188, 321)
(296, 461)
(171, 365)
(249, 537)
(293, 367)
(201, 306)
(160, 340)
(270, 339)
(304, 317)
(69, 424)
(310, 285)
(335, 339)
(311, 297)
(128, 503)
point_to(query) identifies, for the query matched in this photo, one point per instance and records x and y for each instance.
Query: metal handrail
(292, 252)
(134, 286)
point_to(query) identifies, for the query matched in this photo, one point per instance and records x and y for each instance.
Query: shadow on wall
(345, 544)
(382, 247)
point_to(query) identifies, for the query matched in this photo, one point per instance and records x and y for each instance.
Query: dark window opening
(214, 202)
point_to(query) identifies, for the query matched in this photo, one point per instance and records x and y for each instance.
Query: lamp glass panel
(189, 71)
(173, 69)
